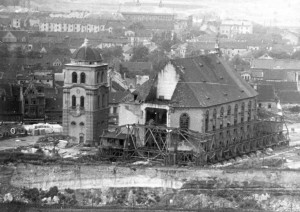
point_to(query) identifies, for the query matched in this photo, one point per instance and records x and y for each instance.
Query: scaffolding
(175, 146)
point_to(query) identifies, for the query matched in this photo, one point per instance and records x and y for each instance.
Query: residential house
(140, 37)
(127, 52)
(246, 75)
(112, 42)
(267, 97)
(115, 98)
(192, 49)
(89, 25)
(231, 28)
(145, 17)
(232, 49)
(291, 37)
(10, 102)
(14, 39)
(277, 69)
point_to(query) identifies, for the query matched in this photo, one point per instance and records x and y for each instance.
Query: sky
(267, 12)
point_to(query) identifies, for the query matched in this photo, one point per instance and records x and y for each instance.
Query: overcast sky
(274, 12)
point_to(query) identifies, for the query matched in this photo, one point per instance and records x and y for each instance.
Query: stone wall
(102, 176)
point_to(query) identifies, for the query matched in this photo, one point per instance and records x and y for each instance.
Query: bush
(32, 194)
(295, 109)
(69, 191)
(249, 204)
(53, 191)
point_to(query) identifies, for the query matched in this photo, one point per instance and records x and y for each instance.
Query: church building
(85, 95)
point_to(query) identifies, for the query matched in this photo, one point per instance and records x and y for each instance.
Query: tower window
(99, 101)
(82, 78)
(74, 77)
(102, 76)
(103, 100)
(98, 77)
(82, 102)
(73, 101)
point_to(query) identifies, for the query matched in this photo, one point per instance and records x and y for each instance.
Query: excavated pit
(102, 185)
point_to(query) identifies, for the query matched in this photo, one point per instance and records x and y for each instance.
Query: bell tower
(85, 95)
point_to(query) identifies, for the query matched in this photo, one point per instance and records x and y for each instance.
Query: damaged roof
(205, 81)
(117, 97)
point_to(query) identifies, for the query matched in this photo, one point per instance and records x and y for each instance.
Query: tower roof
(86, 54)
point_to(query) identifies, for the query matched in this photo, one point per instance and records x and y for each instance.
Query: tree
(237, 60)
(158, 60)
(296, 55)
(166, 45)
(3, 50)
(136, 26)
(109, 53)
(259, 53)
(279, 55)
(140, 54)
(61, 51)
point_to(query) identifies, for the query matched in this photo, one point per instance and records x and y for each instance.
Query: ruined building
(196, 111)
(85, 95)
(201, 93)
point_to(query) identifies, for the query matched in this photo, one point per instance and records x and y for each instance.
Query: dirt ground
(12, 143)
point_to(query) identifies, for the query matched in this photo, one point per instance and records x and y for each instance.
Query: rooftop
(275, 64)
(266, 93)
(86, 54)
(204, 81)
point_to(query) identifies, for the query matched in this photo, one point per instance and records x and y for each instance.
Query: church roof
(204, 81)
(86, 54)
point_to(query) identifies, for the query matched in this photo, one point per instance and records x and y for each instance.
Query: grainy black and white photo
(149, 105)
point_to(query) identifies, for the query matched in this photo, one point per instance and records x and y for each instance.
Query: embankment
(102, 176)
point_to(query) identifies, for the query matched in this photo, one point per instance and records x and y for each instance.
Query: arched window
(82, 78)
(74, 77)
(82, 102)
(214, 119)
(102, 76)
(236, 108)
(221, 117)
(98, 77)
(249, 110)
(228, 116)
(184, 122)
(73, 101)
(206, 120)
(103, 100)
(99, 101)
(242, 112)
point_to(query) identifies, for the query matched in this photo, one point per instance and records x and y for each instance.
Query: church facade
(85, 95)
